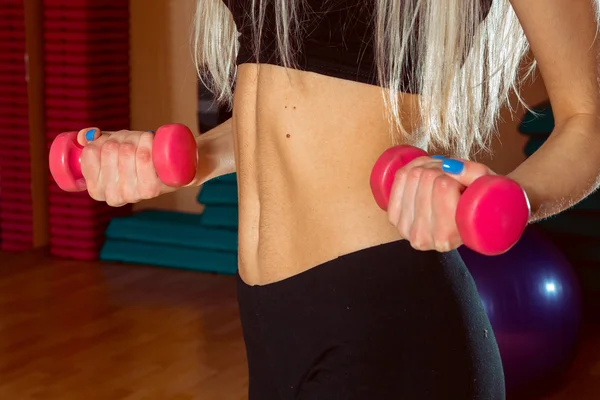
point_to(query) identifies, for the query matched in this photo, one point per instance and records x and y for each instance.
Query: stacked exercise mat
(577, 230)
(86, 68)
(16, 224)
(204, 242)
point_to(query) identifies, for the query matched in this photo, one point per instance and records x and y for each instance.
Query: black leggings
(388, 322)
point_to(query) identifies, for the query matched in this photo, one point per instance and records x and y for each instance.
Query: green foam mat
(220, 217)
(218, 194)
(573, 222)
(540, 124)
(172, 229)
(169, 256)
(533, 144)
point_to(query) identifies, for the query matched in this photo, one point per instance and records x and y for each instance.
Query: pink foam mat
(84, 58)
(6, 100)
(12, 46)
(53, 128)
(65, 104)
(14, 174)
(15, 246)
(14, 138)
(99, 71)
(100, 26)
(105, 48)
(86, 81)
(89, 38)
(21, 227)
(14, 110)
(92, 234)
(12, 34)
(11, 57)
(68, 208)
(82, 254)
(10, 185)
(87, 4)
(14, 122)
(77, 222)
(15, 196)
(59, 93)
(15, 218)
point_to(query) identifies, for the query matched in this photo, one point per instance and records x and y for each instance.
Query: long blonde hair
(465, 72)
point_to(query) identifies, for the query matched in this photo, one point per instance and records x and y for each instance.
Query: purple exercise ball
(532, 298)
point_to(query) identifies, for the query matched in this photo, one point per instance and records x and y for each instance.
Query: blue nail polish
(150, 131)
(438, 157)
(452, 166)
(89, 135)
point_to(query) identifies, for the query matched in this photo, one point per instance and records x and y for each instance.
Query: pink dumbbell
(492, 212)
(174, 154)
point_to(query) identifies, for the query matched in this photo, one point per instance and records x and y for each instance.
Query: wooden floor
(86, 331)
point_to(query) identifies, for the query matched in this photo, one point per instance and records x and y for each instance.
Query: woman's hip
(384, 321)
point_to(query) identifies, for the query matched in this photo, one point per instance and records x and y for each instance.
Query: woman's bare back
(305, 145)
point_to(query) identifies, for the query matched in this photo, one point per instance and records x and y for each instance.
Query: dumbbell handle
(174, 154)
(492, 212)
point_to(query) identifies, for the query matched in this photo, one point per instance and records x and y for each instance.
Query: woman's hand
(425, 197)
(118, 168)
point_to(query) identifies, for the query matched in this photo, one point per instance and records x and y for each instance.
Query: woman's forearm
(565, 169)
(216, 154)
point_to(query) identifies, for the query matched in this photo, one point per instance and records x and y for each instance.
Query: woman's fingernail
(151, 131)
(438, 157)
(80, 183)
(452, 166)
(89, 135)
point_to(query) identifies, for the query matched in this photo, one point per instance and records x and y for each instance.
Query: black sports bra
(337, 39)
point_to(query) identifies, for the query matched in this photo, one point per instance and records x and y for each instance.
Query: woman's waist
(288, 231)
(306, 198)
(305, 147)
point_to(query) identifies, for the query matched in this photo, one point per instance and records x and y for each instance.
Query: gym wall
(163, 79)
(508, 146)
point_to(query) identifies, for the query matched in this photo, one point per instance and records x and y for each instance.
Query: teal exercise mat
(172, 229)
(573, 222)
(176, 217)
(161, 255)
(533, 144)
(220, 217)
(538, 121)
(229, 178)
(223, 193)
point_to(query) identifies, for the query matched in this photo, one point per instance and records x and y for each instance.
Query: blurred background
(139, 302)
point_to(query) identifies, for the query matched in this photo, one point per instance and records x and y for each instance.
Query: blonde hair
(465, 71)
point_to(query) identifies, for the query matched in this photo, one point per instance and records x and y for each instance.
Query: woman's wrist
(215, 153)
(564, 170)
